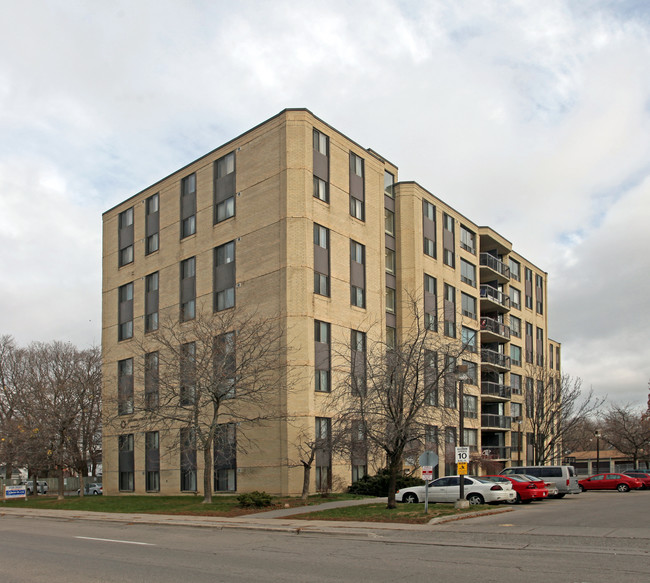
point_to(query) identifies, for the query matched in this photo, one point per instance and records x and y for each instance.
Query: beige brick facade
(273, 231)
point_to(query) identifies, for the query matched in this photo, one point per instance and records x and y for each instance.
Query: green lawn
(409, 513)
(191, 505)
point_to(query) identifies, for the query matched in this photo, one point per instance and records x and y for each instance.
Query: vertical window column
(188, 289)
(539, 349)
(225, 458)
(151, 382)
(357, 274)
(188, 206)
(448, 241)
(358, 362)
(321, 166)
(224, 276)
(187, 388)
(323, 457)
(450, 311)
(321, 260)
(125, 237)
(529, 342)
(429, 228)
(151, 285)
(152, 461)
(359, 447)
(322, 355)
(539, 294)
(528, 288)
(152, 224)
(188, 459)
(357, 187)
(224, 187)
(125, 386)
(125, 312)
(126, 466)
(430, 303)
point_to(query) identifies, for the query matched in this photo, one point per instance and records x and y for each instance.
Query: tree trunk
(392, 483)
(207, 475)
(306, 478)
(59, 475)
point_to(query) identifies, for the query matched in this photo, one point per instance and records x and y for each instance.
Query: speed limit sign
(462, 455)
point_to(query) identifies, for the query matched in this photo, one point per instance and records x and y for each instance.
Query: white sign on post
(462, 455)
(427, 472)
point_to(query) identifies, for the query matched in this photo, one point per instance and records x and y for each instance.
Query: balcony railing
(492, 325)
(496, 358)
(487, 291)
(498, 452)
(500, 421)
(495, 390)
(495, 264)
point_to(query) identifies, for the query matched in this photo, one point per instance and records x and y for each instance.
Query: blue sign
(15, 492)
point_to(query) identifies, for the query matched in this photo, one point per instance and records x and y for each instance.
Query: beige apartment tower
(299, 223)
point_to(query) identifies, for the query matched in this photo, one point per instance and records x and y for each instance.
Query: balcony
(495, 392)
(495, 360)
(497, 452)
(494, 331)
(493, 268)
(494, 300)
(497, 421)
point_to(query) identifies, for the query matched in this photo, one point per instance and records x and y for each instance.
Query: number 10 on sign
(462, 455)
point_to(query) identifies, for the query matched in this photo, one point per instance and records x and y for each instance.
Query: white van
(564, 477)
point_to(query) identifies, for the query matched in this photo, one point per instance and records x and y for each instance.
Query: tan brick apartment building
(318, 230)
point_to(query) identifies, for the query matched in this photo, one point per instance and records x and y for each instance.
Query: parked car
(447, 489)
(94, 488)
(43, 488)
(640, 475)
(564, 477)
(550, 486)
(619, 482)
(526, 490)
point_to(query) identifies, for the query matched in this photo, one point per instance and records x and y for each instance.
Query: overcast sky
(531, 117)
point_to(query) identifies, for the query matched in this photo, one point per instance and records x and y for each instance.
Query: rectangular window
(515, 383)
(515, 326)
(528, 290)
(358, 362)
(225, 188)
(187, 388)
(429, 228)
(530, 397)
(323, 454)
(468, 305)
(550, 356)
(450, 444)
(528, 341)
(321, 260)
(125, 237)
(450, 311)
(224, 276)
(125, 312)
(539, 348)
(467, 240)
(188, 459)
(390, 300)
(431, 378)
(357, 274)
(188, 206)
(225, 458)
(152, 224)
(515, 298)
(515, 270)
(539, 294)
(472, 372)
(391, 337)
(468, 272)
(151, 302)
(468, 338)
(357, 187)
(430, 303)
(188, 289)
(448, 241)
(389, 183)
(390, 261)
(451, 397)
(126, 467)
(152, 461)
(557, 358)
(125, 386)
(322, 356)
(515, 355)
(151, 381)
(470, 436)
(321, 166)
(389, 222)
(225, 365)
(515, 410)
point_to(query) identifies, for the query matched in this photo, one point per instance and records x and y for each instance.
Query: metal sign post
(428, 460)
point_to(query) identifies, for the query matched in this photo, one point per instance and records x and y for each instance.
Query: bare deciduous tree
(628, 430)
(199, 376)
(392, 390)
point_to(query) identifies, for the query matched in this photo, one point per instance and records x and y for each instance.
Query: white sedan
(447, 489)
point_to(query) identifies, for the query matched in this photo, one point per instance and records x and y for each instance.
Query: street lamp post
(461, 371)
(519, 441)
(597, 434)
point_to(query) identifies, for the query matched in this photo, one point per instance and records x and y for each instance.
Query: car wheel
(410, 498)
(582, 488)
(623, 488)
(514, 500)
(475, 499)
(558, 496)
(96, 493)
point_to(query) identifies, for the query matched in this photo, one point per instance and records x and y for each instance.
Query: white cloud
(532, 118)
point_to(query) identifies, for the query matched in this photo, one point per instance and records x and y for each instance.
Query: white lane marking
(110, 540)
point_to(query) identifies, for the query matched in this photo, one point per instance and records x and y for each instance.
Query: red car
(527, 491)
(619, 482)
(640, 475)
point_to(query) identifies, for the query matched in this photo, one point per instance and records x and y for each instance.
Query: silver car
(477, 491)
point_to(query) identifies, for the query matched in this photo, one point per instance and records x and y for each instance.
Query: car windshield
(519, 479)
(480, 480)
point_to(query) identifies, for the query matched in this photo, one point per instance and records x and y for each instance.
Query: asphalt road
(591, 538)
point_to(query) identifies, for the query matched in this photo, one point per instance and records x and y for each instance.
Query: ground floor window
(188, 460)
(125, 462)
(225, 458)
